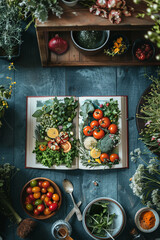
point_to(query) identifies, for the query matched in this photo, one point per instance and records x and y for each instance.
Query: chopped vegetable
(66, 147)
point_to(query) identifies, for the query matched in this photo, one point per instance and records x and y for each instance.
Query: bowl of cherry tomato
(41, 198)
(143, 50)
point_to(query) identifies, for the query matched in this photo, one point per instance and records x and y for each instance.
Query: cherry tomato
(33, 183)
(94, 124)
(47, 211)
(114, 157)
(98, 133)
(55, 197)
(40, 184)
(41, 207)
(43, 190)
(42, 147)
(36, 189)
(45, 184)
(48, 203)
(29, 207)
(28, 200)
(113, 128)
(53, 206)
(47, 199)
(104, 122)
(43, 197)
(49, 194)
(88, 131)
(104, 157)
(50, 189)
(98, 114)
(36, 212)
(31, 197)
(38, 202)
(29, 190)
(37, 195)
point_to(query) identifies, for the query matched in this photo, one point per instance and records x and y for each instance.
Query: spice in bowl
(147, 219)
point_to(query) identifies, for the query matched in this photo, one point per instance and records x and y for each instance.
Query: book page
(33, 104)
(122, 148)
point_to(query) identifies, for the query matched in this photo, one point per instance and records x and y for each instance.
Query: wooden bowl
(24, 194)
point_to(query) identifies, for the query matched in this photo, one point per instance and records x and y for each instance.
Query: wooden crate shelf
(77, 18)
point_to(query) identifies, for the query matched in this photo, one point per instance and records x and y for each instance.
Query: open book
(77, 133)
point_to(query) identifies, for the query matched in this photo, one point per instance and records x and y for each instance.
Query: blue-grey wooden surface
(33, 80)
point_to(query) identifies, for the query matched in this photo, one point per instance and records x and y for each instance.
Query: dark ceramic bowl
(90, 51)
(24, 194)
(137, 44)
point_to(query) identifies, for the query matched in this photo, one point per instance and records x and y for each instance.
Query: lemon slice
(90, 142)
(52, 133)
(95, 153)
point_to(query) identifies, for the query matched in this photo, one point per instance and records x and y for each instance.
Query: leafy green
(99, 220)
(49, 157)
(86, 108)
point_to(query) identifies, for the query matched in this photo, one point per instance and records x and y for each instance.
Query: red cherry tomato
(94, 124)
(104, 122)
(114, 157)
(45, 184)
(36, 212)
(104, 157)
(53, 206)
(98, 133)
(48, 203)
(28, 200)
(88, 131)
(29, 190)
(31, 197)
(49, 194)
(113, 128)
(40, 184)
(98, 114)
(40, 207)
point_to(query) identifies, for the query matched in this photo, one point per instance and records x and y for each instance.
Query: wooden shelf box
(77, 19)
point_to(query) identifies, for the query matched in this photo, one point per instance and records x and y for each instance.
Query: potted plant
(10, 30)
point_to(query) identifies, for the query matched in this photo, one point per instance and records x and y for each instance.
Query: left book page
(47, 125)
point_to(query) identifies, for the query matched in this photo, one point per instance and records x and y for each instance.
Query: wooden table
(33, 80)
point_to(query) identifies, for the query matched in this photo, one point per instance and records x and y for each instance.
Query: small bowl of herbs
(103, 218)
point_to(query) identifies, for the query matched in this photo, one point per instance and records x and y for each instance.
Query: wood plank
(42, 38)
(78, 18)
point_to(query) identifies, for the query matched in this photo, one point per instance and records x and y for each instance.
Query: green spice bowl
(119, 221)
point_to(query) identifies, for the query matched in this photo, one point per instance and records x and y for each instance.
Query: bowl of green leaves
(104, 218)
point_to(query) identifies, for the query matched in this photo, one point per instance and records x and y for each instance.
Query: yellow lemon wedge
(95, 153)
(52, 133)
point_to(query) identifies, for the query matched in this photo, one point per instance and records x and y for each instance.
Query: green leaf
(37, 113)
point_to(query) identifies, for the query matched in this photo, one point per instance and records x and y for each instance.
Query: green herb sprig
(99, 220)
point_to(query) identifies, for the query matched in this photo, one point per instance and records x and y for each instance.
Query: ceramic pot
(70, 3)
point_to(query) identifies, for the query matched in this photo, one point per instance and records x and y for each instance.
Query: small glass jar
(61, 229)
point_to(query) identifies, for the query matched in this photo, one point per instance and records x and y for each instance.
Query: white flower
(152, 160)
(149, 204)
(138, 151)
(133, 159)
(131, 153)
(152, 168)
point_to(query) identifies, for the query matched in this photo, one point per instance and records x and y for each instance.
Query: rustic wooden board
(78, 18)
(31, 80)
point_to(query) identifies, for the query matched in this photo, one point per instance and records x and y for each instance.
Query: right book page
(115, 107)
